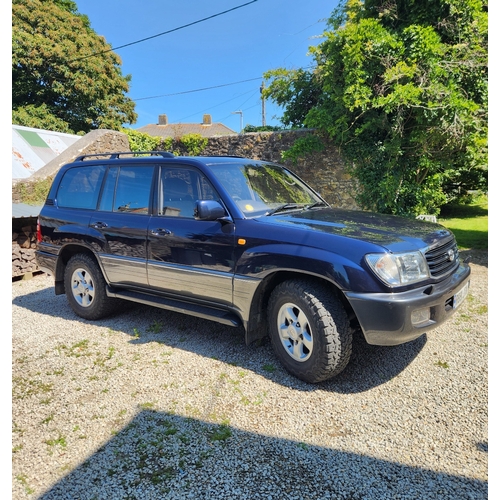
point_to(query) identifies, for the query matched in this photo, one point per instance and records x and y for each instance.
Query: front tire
(85, 288)
(309, 330)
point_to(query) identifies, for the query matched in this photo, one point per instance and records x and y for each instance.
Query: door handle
(160, 232)
(98, 225)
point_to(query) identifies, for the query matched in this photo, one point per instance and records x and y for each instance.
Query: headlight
(397, 269)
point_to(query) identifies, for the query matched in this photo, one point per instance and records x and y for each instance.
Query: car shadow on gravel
(370, 366)
(160, 455)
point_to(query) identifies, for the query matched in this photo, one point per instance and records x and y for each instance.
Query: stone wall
(324, 171)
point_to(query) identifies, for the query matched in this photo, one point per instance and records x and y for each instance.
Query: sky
(236, 46)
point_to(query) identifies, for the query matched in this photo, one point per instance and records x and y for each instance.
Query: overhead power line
(205, 88)
(197, 90)
(205, 109)
(164, 33)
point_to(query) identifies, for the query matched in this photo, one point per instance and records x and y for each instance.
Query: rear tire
(85, 288)
(309, 330)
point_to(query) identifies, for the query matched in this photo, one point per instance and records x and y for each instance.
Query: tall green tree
(64, 76)
(401, 87)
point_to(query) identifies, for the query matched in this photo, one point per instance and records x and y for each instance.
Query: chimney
(162, 120)
(207, 119)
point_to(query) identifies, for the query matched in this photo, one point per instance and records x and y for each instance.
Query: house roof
(205, 129)
(33, 148)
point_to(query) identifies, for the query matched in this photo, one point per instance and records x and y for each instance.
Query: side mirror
(209, 210)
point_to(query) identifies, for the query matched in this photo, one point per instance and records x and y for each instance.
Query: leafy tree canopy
(401, 86)
(57, 83)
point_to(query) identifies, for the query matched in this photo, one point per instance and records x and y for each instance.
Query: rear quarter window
(80, 186)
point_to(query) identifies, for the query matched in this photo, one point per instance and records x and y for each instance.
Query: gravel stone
(150, 404)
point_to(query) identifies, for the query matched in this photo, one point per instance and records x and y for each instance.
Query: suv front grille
(443, 260)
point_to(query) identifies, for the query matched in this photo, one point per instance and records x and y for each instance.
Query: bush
(140, 141)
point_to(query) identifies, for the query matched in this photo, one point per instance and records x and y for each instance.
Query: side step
(200, 311)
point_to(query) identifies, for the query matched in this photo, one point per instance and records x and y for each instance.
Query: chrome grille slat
(438, 259)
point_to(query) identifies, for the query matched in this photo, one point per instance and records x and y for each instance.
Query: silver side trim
(124, 270)
(192, 282)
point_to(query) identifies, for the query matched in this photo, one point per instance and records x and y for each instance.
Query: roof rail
(225, 156)
(114, 156)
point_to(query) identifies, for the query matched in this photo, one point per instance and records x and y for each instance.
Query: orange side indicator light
(242, 241)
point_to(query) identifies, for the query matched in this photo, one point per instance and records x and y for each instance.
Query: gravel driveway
(152, 404)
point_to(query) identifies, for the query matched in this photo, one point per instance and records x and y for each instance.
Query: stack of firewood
(23, 251)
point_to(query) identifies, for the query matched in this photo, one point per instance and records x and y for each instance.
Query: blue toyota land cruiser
(245, 243)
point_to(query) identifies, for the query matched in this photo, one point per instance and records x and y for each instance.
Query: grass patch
(269, 368)
(48, 419)
(147, 406)
(155, 327)
(22, 388)
(221, 433)
(60, 441)
(23, 479)
(442, 364)
(469, 223)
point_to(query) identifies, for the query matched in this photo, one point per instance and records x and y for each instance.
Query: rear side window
(127, 189)
(80, 187)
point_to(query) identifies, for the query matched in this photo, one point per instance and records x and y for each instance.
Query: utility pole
(241, 119)
(262, 87)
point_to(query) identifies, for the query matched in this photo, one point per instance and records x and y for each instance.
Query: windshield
(264, 189)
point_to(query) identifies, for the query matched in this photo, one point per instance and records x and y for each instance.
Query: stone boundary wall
(324, 171)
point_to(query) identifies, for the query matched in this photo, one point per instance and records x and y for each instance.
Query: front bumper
(386, 318)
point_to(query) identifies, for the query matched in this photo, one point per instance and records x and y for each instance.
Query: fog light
(420, 317)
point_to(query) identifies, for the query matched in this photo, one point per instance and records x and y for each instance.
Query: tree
(403, 92)
(64, 76)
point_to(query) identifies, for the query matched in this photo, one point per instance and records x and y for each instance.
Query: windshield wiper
(286, 206)
(320, 203)
(296, 206)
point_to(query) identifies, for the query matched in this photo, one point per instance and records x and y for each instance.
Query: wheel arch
(256, 328)
(64, 256)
